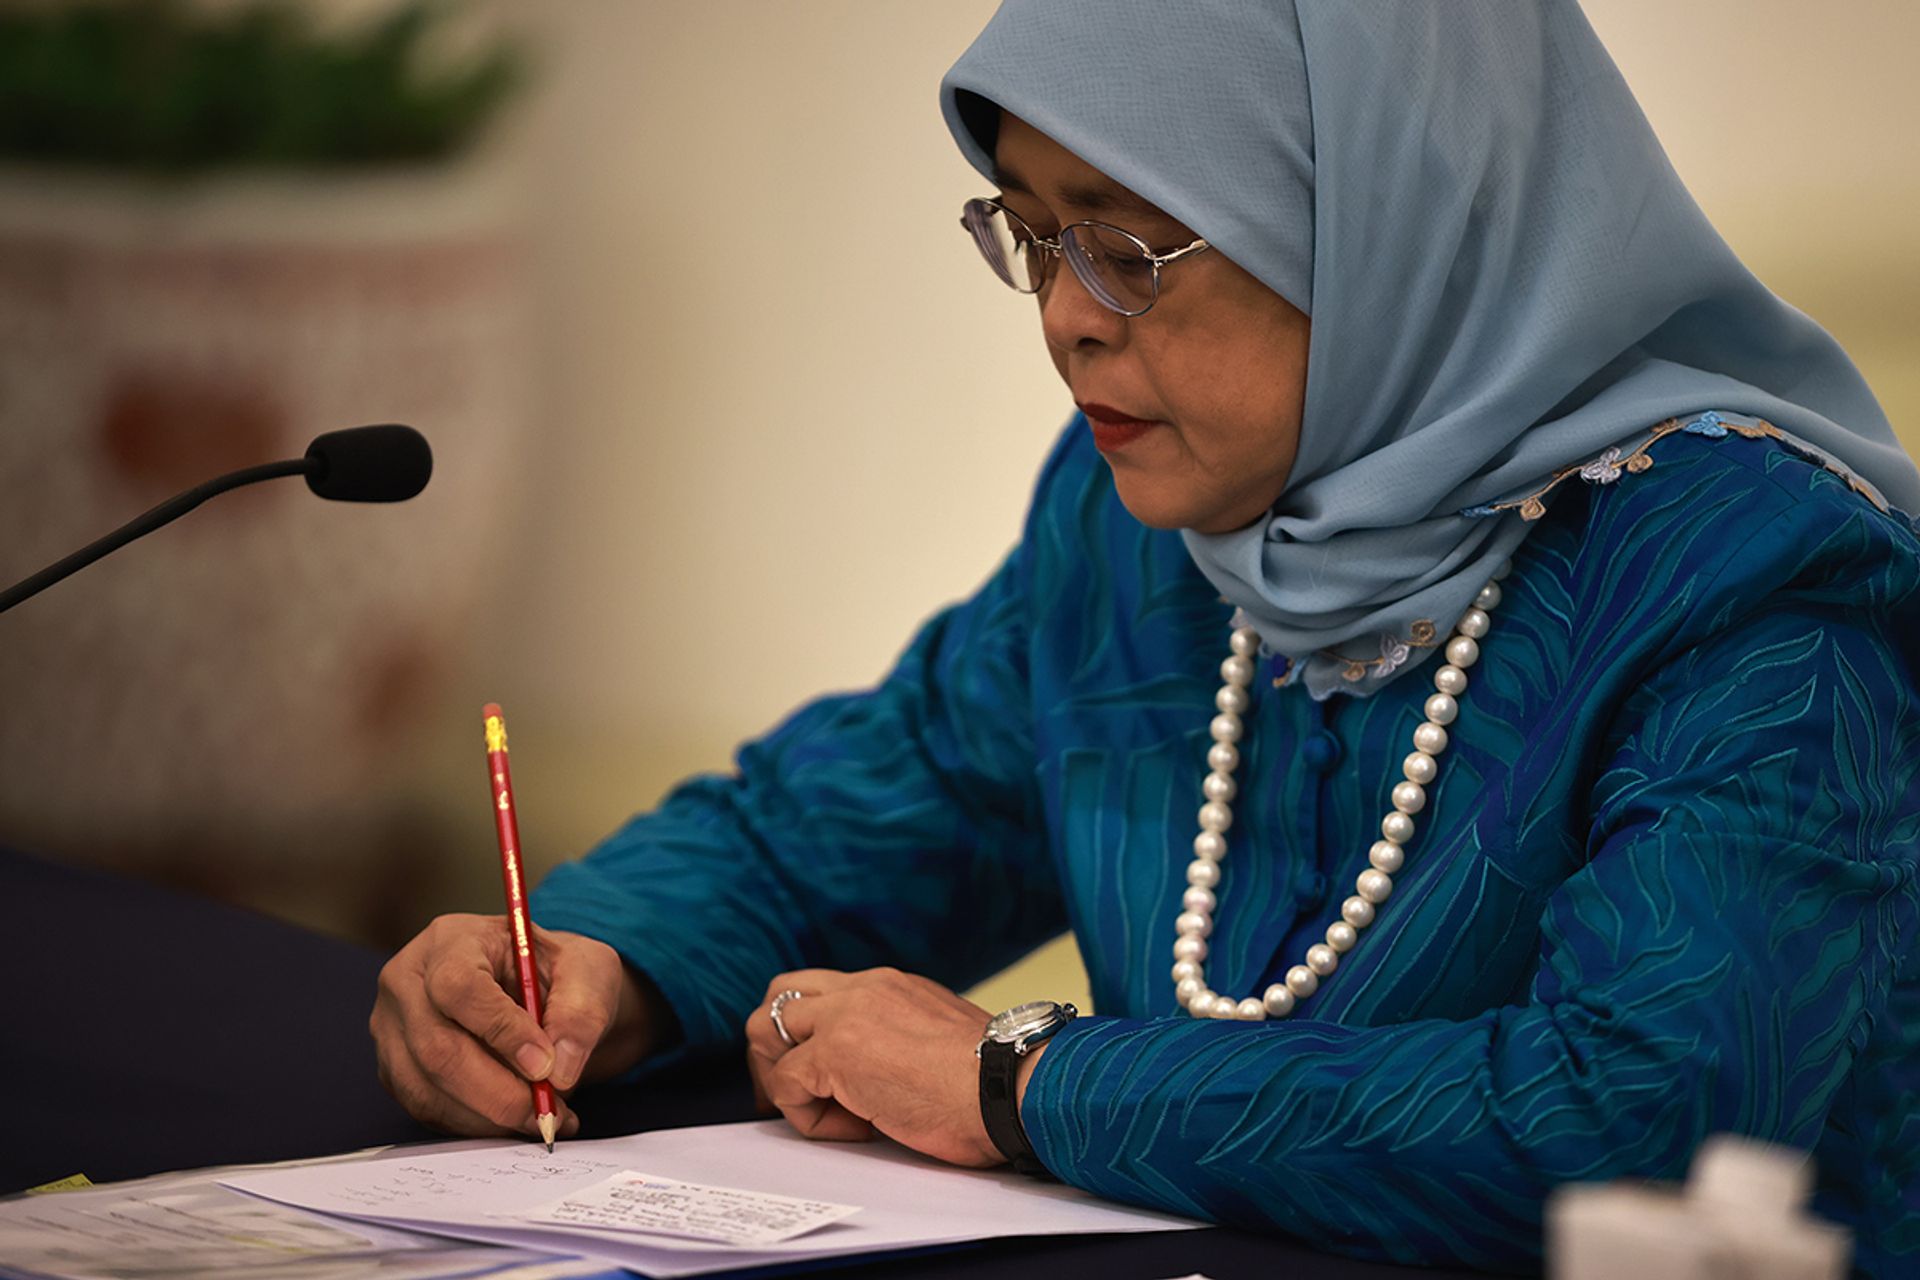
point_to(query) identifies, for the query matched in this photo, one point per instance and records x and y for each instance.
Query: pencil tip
(549, 1126)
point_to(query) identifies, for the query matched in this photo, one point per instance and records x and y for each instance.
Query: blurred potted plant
(155, 86)
(225, 228)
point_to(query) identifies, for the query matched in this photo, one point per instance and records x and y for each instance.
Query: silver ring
(780, 1003)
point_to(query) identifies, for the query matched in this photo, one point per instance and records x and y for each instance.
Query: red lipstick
(1113, 429)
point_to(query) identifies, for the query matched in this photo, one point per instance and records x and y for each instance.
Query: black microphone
(386, 463)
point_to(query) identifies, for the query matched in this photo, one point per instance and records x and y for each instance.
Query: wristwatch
(1009, 1037)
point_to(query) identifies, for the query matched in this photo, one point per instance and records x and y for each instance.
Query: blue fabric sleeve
(1714, 966)
(899, 826)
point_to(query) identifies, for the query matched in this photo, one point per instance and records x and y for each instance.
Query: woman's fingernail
(533, 1061)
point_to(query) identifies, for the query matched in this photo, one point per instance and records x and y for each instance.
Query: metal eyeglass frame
(1055, 247)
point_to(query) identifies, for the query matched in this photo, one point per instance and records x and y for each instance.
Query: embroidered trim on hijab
(1612, 464)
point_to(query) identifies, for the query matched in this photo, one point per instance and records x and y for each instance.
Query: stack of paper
(688, 1201)
(188, 1227)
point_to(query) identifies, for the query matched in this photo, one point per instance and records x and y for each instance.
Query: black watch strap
(1000, 1108)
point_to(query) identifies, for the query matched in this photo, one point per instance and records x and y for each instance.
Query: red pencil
(508, 829)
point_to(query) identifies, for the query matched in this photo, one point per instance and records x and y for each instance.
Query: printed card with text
(633, 1201)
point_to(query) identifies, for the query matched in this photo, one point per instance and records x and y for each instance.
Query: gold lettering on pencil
(496, 734)
(505, 804)
(520, 933)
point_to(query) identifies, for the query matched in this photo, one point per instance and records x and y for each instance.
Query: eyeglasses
(1117, 267)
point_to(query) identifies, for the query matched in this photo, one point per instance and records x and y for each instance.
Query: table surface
(153, 1030)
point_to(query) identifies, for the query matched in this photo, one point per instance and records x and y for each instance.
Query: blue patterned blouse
(1664, 886)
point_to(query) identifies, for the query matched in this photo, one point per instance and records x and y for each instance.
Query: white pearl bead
(1421, 767)
(1506, 567)
(1430, 738)
(1386, 855)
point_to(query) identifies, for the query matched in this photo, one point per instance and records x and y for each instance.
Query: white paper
(652, 1205)
(907, 1200)
(195, 1228)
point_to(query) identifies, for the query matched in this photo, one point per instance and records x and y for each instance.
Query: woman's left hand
(875, 1050)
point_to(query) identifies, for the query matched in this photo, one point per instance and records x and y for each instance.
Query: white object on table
(1740, 1214)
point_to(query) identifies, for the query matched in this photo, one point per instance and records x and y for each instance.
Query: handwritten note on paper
(474, 1187)
(634, 1201)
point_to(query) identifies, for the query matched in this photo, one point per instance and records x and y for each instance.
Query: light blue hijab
(1504, 273)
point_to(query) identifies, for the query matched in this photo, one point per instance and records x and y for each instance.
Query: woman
(1456, 681)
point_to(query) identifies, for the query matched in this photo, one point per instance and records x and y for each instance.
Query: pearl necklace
(1387, 855)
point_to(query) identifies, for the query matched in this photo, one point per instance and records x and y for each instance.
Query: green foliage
(155, 86)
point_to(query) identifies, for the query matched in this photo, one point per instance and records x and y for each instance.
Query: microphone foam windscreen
(387, 463)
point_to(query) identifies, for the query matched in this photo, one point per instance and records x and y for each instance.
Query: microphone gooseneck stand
(170, 510)
(384, 463)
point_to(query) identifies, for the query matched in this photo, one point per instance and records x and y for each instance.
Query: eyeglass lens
(1112, 265)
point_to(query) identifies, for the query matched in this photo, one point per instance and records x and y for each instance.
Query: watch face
(1023, 1019)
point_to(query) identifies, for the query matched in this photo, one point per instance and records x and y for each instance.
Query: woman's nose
(1071, 317)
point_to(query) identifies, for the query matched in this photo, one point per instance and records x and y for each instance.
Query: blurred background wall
(725, 405)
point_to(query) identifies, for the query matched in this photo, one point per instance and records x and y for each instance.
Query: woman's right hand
(457, 1050)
